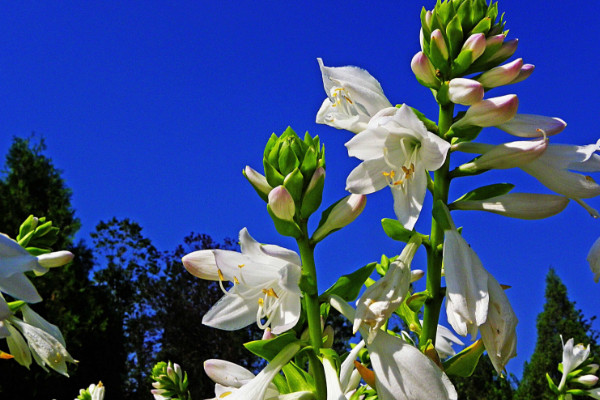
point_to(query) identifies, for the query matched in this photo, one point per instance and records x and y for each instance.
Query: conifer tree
(559, 317)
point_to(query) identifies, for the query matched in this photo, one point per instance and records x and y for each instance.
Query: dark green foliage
(560, 317)
(485, 383)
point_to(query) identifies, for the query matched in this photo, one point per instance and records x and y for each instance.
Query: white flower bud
(587, 380)
(490, 112)
(501, 75)
(258, 181)
(424, 70)
(518, 205)
(508, 155)
(343, 213)
(282, 203)
(55, 259)
(319, 172)
(465, 91)
(526, 71)
(437, 40)
(529, 126)
(475, 43)
(416, 274)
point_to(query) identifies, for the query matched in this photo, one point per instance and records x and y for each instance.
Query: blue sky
(152, 109)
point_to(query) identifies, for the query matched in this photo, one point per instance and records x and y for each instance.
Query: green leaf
(463, 364)
(455, 36)
(268, 349)
(486, 192)
(348, 286)
(395, 230)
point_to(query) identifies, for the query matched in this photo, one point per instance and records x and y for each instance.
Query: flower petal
(367, 177)
(201, 264)
(408, 200)
(20, 287)
(232, 312)
(368, 144)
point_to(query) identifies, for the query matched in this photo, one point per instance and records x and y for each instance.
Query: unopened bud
(587, 380)
(424, 70)
(416, 274)
(465, 91)
(508, 155)
(437, 41)
(517, 205)
(281, 204)
(343, 212)
(592, 368)
(501, 75)
(526, 71)
(258, 182)
(529, 126)
(476, 43)
(55, 259)
(505, 52)
(267, 334)
(490, 112)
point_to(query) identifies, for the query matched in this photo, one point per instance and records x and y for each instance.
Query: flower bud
(529, 126)
(501, 75)
(281, 204)
(465, 91)
(476, 43)
(508, 155)
(505, 52)
(340, 214)
(517, 205)
(55, 259)
(424, 70)
(267, 334)
(591, 368)
(313, 193)
(490, 112)
(586, 380)
(438, 43)
(526, 71)
(258, 182)
(227, 373)
(416, 274)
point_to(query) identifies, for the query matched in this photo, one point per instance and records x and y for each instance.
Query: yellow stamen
(235, 280)
(224, 394)
(270, 292)
(398, 182)
(261, 302)
(241, 266)
(221, 277)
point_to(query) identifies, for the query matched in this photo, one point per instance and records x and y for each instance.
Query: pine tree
(485, 383)
(559, 317)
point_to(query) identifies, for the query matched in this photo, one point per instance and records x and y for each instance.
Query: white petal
(14, 258)
(244, 268)
(529, 126)
(20, 287)
(367, 177)
(433, 151)
(562, 181)
(227, 373)
(368, 144)
(288, 256)
(34, 319)
(408, 200)
(287, 314)
(233, 312)
(201, 264)
(330, 115)
(334, 389)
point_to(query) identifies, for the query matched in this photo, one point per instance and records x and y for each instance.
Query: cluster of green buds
(170, 382)
(293, 181)
(37, 236)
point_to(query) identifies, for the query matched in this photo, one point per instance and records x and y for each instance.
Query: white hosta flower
(467, 295)
(382, 298)
(531, 126)
(498, 332)
(594, 393)
(553, 169)
(265, 285)
(505, 155)
(593, 258)
(573, 356)
(397, 151)
(517, 205)
(444, 338)
(353, 97)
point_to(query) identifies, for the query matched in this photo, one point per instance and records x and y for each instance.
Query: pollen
(221, 277)
(241, 266)
(235, 280)
(261, 302)
(224, 394)
(270, 292)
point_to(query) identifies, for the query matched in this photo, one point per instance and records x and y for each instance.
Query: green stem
(313, 311)
(441, 187)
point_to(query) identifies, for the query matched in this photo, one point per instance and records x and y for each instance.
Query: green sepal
(429, 124)
(462, 62)
(273, 156)
(395, 230)
(416, 301)
(269, 348)
(464, 15)
(426, 28)
(309, 164)
(287, 160)
(274, 178)
(348, 286)
(486, 192)
(463, 364)
(270, 144)
(297, 379)
(492, 11)
(455, 36)
(578, 392)
(410, 317)
(285, 228)
(442, 215)
(437, 59)
(442, 95)
(27, 226)
(24, 240)
(36, 251)
(383, 266)
(478, 11)
(312, 198)
(294, 183)
(465, 133)
(444, 11)
(482, 27)
(14, 306)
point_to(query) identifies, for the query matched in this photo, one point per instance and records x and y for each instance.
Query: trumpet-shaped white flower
(593, 259)
(397, 151)
(531, 126)
(353, 97)
(467, 295)
(498, 332)
(383, 297)
(573, 356)
(444, 338)
(265, 285)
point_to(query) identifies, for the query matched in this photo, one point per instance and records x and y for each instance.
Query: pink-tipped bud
(506, 51)
(344, 212)
(258, 181)
(428, 18)
(530, 126)
(508, 155)
(282, 204)
(587, 380)
(502, 75)
(494, 41)
(416, 274)
(490, 112)
(424, 70)
(526, 71)
(465, 91)
(475, 43)
(319, 172)
(267, 334)
(437, 40)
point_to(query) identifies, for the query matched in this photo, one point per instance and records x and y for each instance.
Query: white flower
(353, 97)
(498, 332)
(382, 298)
(397, 151)
(517, 205)
(265, 285)
(573, 356)
(467, 295)
(531, 126)
(444, 338)
(593, 259)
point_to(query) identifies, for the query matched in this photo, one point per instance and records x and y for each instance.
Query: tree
(559, 317)
(485, 383)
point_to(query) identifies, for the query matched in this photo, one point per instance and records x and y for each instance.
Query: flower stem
(441, 187)
(313, 311)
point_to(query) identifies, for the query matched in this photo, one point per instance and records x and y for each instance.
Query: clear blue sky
(152, 109)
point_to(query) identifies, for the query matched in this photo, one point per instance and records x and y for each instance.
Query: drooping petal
(227, 373)
(408, 200)
(20, 287)
(531, 126)
(334, 388)
(233, 312)
(561, 181)
(444, 338)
